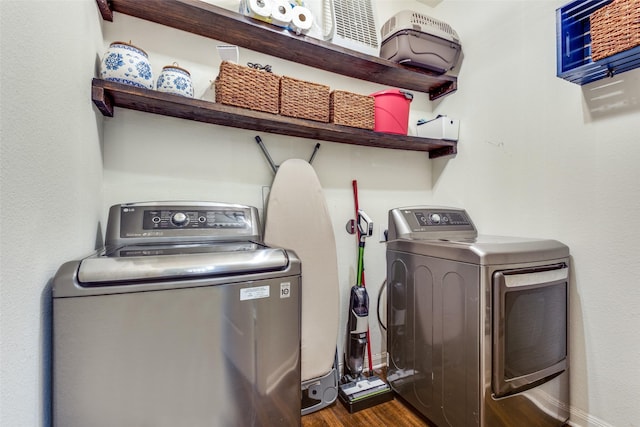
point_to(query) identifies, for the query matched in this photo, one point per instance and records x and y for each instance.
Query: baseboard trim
(379, 360)
(580, 418)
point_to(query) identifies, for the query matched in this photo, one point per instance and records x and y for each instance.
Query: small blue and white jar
(176, 80)
(128, 64)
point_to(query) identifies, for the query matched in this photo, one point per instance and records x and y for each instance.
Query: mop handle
(360, 273)
(360, 279)
(354, 183)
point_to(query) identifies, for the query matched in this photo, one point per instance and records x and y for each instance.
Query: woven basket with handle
(247, 88)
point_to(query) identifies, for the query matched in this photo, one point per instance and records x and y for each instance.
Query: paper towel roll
(260, 9)
(281, 13)
(302, 19)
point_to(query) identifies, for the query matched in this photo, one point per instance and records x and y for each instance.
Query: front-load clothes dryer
(477, 326)
(184, 319)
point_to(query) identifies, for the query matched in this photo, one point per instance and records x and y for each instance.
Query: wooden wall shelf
(107, 95)
(214, 22)
(210, 21)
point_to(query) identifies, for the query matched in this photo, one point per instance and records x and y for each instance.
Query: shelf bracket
(442, 90)
(105, 10)
(275, 167)
(444, 151)
(103, 101)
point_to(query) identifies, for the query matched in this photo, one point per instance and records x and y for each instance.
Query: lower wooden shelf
(107, 95)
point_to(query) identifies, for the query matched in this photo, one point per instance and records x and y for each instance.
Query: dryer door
(529, 327)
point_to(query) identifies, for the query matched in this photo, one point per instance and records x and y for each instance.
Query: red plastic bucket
(392, 111)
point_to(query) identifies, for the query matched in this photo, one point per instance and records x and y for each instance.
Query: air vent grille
(355, 21)
(424, 20)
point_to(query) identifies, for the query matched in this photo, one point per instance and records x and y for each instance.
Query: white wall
(542, 157)
(538, 156)
(50, 183)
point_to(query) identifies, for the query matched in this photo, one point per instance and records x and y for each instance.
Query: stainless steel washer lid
(153, 262)
(485, 250)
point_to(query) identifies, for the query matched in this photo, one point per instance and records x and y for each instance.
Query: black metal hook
(274, 167)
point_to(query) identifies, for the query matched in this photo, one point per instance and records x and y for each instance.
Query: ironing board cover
(297, 218)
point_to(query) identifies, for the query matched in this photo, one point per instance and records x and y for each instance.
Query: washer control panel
(154, 219)
(153, 222)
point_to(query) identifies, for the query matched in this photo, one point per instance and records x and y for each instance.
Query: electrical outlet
(382, 233)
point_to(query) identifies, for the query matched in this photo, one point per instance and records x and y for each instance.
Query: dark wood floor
(398, 414)
(394, 413)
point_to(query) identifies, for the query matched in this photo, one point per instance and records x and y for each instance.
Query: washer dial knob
(435, 218)
(179, 219)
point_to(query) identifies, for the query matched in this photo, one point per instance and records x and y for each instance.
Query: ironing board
(297, 218)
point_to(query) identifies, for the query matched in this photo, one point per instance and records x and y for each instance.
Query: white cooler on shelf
(442, 127)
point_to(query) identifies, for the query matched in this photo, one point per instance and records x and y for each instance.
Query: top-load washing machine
(184, 319)
(477, 325)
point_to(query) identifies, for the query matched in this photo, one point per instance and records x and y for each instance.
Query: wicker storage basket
(247, 87)
(351, 109)
(304, 100)
(615, 28)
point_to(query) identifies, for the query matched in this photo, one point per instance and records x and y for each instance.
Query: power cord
(382, 287)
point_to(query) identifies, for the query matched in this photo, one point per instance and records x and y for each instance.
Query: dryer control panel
(439, 218)
(430, 223)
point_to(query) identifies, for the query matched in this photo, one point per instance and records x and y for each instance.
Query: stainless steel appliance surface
(184, 318)
(477, 325)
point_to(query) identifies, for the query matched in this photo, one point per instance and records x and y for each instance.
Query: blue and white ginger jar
(176, 80)
(128, 64)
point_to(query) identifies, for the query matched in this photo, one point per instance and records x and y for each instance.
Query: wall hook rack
(275, 167)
